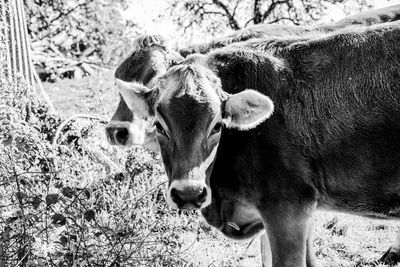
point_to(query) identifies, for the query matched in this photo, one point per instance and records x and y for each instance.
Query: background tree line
(97, 31)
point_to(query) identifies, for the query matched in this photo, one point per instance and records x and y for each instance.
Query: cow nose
(117, 135)
(189, 199)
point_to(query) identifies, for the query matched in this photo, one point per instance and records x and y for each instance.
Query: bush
(61, 206)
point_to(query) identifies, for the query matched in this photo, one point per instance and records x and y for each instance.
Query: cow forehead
(193, 86)
(188, 115)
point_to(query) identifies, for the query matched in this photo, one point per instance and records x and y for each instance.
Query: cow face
(131, 123)
(191, 111)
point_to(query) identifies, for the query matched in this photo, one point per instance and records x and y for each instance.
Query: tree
(216, 16)
(81, 28)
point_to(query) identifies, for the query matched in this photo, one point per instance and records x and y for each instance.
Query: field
(340, 239)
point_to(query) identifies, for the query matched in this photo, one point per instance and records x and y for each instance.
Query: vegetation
(62, 204)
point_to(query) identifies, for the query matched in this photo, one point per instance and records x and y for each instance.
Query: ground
(340, 240)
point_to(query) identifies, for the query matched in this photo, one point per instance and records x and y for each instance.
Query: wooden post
(15, 34)
(17, 52)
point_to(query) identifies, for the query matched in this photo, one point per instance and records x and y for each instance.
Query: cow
(387, 14)
(151, 56)
(315, 125)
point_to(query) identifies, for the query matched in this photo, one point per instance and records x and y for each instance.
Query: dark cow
(151, 57)
(371, 17)
(319, 127)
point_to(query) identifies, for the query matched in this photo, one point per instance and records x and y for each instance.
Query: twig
(64, 123)
(42, 91)
(102, 157)
(99, 154)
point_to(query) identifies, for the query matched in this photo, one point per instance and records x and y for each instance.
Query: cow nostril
(189, 197)
(122, 135)
(175, 197)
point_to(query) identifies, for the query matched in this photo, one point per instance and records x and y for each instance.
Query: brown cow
(325, 136)
(151, 57)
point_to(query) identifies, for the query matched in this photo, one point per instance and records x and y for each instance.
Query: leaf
(59, 219)
(89, 215)
(67, 191)
(36, 202)
(51, 199)
(64, 240)
(86, 192)
(21, 195)
(8, 141)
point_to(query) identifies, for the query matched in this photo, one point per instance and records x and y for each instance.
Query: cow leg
(392, 255)
(266, 255)
(287, 226)
(310, 256)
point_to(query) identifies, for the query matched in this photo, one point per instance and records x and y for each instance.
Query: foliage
(61, 207)
(77, 28)
(216, 16)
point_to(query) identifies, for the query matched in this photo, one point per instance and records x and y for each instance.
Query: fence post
(17, 54)
(15, 35)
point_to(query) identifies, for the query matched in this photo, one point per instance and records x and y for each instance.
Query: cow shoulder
(241, 68)
(354, 47)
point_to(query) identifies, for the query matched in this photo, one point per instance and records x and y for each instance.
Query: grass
(341, 240)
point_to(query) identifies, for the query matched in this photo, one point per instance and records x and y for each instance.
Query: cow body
(332, 141)
(268, 31)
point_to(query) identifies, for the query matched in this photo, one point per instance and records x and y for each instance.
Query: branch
(213, 13)
(257, 19)
(45, 96)
(65, 14)
(62, 125)
(235, 8)
(295, 22)
(272, 8)
(232, 21)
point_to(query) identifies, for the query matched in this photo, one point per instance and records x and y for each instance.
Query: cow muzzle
(125, 134)
(188, 194)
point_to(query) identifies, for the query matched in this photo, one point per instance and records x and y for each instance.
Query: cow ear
(247, 109)
(135, 96)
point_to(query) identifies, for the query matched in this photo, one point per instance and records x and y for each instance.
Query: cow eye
(160, 129)
(217, 128)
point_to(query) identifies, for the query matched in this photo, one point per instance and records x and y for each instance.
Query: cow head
(131, 123)
(190, 113)
(233, 218)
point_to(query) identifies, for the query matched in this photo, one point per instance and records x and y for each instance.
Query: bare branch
(295, 22)
(257, 19)
(235, 8)
(232, 21)
(272, 7)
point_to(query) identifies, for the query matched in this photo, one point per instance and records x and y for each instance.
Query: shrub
(61, 206)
